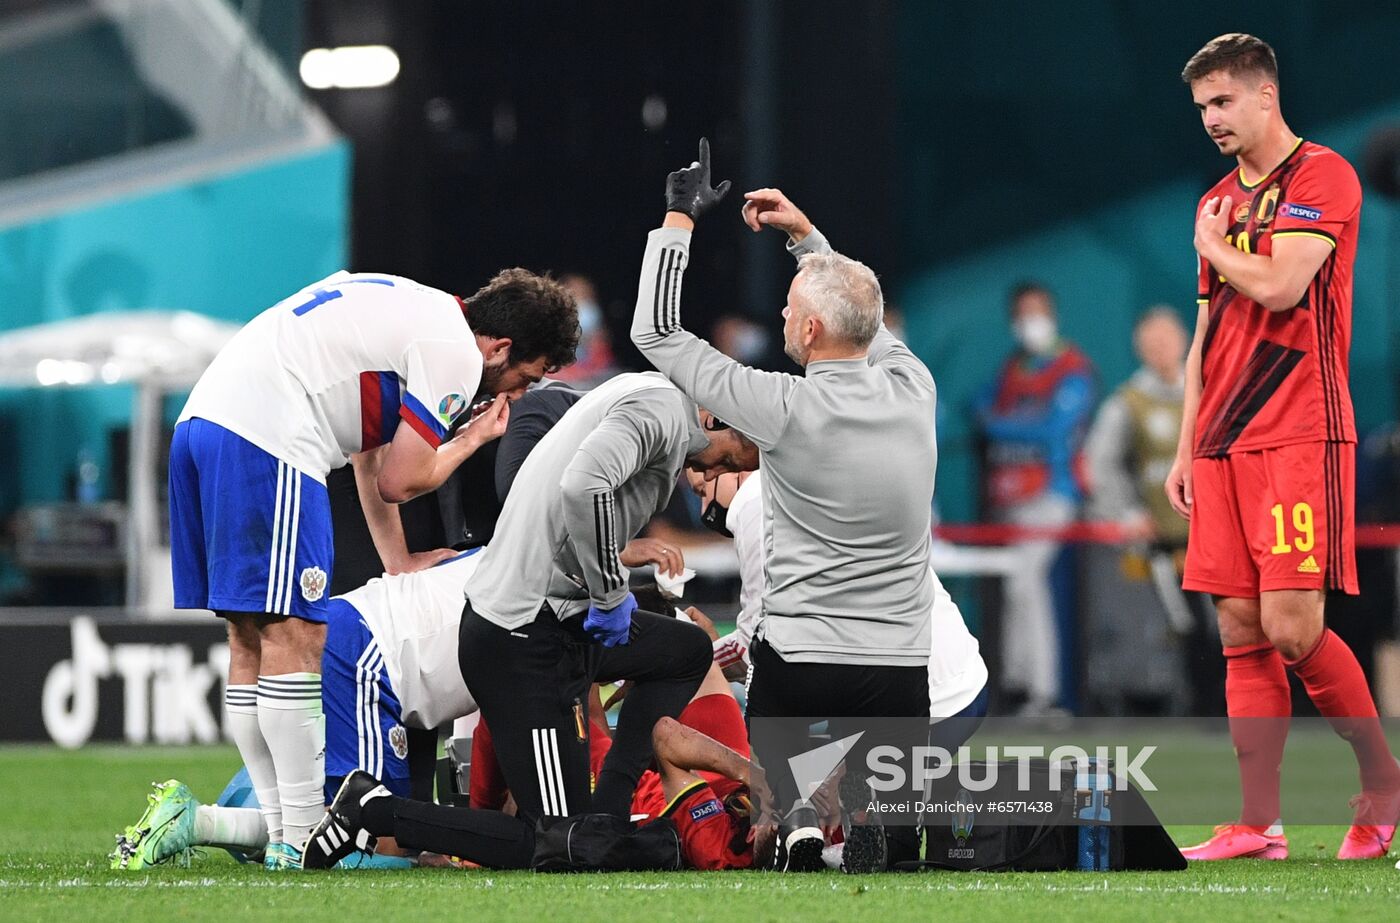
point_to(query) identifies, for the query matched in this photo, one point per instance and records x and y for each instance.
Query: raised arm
(753, 401)
(771, 208)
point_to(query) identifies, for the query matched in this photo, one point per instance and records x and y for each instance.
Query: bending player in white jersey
(323, 378)
(390, 662)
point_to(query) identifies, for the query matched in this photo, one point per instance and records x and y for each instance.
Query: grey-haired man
(845, 614)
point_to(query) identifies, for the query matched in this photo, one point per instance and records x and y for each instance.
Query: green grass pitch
(61, 810)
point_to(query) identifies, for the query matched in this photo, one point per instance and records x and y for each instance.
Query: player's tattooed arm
(682, 751)
(1277, 281)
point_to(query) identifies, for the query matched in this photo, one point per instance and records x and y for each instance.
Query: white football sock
(292, 722)
(237, 828)
(241, 708)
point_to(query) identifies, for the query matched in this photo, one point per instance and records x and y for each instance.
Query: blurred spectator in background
(1033, 418)
(1129, 452)
(741, 340)
(894, 321)
(595, 363)
(1133, 440)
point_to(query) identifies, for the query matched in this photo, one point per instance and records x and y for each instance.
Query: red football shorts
(712, 814)
(1276, 519)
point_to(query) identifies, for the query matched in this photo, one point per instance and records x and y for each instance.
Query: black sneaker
(340, 832)
(800, 842)
(866, 849)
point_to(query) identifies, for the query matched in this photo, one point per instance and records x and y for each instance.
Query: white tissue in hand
(674, 584)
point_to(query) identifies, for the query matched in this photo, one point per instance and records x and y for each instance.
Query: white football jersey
(333, 369)
(745, 521)
(415, 618)
(956, 670)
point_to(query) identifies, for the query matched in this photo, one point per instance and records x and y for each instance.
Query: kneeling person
(389, 662)
(549, 611)
(702, 782)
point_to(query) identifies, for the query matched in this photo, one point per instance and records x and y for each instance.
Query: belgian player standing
(1265, 465)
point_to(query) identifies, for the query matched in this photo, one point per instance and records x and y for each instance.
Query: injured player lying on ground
(701, 782)
(389, 663)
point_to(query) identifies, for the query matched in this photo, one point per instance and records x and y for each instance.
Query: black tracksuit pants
(840, 693)
(532, 685)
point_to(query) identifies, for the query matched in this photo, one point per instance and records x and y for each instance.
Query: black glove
(688, 190)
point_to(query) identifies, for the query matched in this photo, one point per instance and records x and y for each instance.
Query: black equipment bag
(978, 841)
(606, 843)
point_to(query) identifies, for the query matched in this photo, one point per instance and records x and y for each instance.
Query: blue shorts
(248, 532)
(364, 721)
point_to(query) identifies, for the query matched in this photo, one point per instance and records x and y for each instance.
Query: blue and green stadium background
(1048, 141)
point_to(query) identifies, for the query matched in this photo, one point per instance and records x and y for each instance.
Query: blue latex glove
(609, 627)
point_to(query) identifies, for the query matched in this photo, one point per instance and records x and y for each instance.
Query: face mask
(715, 517)
(1036, 334)
(590, 317)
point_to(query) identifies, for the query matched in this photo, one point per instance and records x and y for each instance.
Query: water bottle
(89, 474)
(1092, 809)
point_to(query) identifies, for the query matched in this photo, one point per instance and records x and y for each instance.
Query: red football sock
(1257, 700)
(1337, 686)
(487, 787)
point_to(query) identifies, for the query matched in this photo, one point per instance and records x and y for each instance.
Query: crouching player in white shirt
(390, 661)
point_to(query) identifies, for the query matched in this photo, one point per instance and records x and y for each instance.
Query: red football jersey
(1273, 379)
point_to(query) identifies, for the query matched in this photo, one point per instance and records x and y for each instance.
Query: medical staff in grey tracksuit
(548, 608)
(848, 457)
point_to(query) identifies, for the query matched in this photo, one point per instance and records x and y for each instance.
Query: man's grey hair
(845, 294)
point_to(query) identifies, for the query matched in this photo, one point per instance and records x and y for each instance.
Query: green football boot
(164, 833)
(282, 857)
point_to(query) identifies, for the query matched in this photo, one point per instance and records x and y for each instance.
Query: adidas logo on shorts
(1309, 566)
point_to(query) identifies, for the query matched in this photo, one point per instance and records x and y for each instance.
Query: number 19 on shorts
(1302, 534)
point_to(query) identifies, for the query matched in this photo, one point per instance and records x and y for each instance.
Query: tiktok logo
(165, 694)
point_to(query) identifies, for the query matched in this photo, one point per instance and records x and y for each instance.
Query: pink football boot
(1236, 841)
(1367, 839)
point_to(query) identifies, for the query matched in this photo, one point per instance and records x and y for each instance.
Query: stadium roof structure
(122, 96)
